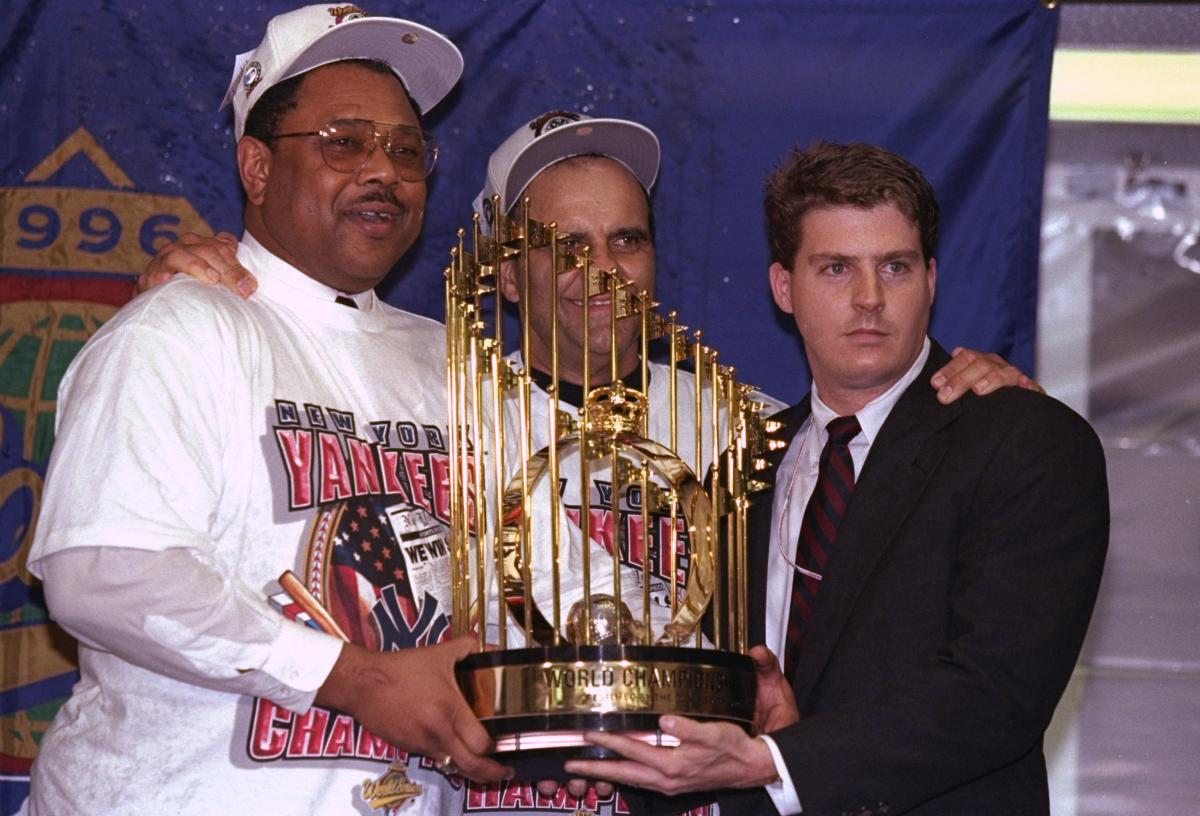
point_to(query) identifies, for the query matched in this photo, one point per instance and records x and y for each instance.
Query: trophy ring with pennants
(605, 579)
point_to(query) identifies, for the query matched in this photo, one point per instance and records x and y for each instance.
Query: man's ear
(781, 287)
(508, 281)
(254, 168)
(932, 278)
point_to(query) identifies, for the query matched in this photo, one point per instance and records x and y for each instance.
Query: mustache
(380, 197)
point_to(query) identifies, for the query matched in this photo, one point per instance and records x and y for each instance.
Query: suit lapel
(902, 459)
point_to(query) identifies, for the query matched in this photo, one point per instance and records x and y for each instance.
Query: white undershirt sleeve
(173, 613)
(782, 793)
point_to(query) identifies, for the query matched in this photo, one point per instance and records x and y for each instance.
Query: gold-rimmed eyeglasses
(347, 144)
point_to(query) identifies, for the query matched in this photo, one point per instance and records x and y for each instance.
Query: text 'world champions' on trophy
(606, 578)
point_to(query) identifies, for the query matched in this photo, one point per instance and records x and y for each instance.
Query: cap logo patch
(551, 120)
(341, 14)
(252, 76)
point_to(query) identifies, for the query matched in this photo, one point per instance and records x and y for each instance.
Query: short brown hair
(839, 175)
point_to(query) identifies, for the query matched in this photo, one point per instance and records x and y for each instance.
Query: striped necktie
(818, 532)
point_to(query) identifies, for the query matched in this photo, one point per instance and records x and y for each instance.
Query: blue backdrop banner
(112, 144)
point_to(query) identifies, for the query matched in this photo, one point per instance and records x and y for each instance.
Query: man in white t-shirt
(206, 444)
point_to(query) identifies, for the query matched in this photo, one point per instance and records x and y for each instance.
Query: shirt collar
(283, 281)
(872, 415)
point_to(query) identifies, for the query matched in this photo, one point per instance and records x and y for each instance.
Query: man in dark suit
(931, 600)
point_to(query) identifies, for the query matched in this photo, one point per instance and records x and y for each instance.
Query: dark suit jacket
(952, 610)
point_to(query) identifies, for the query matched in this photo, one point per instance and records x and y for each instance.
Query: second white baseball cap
(559, 135)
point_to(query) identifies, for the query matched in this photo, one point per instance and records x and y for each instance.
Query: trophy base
(538, 703)
(540, 754)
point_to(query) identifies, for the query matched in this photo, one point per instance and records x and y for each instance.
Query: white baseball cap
(427, 63)
(558, 135)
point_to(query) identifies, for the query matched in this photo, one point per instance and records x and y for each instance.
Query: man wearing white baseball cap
(593, 178)
(207, 444)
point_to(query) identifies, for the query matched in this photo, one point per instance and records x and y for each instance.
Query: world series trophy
(606, 581)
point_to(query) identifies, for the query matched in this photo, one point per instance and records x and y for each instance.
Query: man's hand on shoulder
(410, 699)
(207, 259)
(979, 372)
